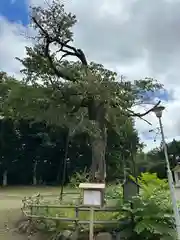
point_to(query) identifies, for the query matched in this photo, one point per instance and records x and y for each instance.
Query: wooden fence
(34, 209)
(39, 211)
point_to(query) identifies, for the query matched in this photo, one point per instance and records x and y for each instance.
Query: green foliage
(154, 160)
(120, 149)
(150, 182)
(152, 211)
(79, 177)
(114, 194)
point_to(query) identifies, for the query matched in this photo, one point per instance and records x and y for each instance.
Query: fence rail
(80, 207)
(75, 220)
(29, 213)
(71, 214)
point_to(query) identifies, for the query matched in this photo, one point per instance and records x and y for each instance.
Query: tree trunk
(134, 168)
(5, 173)
(34, 173)
(99, 142)
(98, 158)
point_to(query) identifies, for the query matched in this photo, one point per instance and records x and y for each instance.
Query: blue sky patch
(162, 94)
(14, 10)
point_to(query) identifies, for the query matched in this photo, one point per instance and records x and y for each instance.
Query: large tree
(83, 96)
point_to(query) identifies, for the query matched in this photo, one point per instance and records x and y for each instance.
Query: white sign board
(92, 197)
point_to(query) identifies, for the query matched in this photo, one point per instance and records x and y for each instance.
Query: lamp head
(158, 111)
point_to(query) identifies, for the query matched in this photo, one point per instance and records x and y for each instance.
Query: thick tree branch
(68, 51)
(140, 115)
(131, 113)
(56, 71)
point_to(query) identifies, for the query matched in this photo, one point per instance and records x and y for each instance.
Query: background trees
(154, 160)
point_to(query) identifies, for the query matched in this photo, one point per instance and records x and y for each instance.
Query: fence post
(91, 224)
(77, 220)
(47, 212)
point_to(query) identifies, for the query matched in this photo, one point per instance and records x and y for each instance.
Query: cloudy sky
(137, 38)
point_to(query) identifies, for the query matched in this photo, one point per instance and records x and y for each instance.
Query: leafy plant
(114, 192)
(79, 177)
(151, 211)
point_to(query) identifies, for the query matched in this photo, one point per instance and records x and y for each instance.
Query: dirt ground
(10, 213)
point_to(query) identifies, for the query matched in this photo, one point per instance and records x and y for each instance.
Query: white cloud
(170, 125)
(137, 38)
(12, 44)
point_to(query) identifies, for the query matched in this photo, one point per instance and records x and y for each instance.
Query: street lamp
(158, 111)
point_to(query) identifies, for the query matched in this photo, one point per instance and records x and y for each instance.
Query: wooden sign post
(92, 197)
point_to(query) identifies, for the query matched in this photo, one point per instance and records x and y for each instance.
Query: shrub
(114, 192)
(79, 177)
(151, 211)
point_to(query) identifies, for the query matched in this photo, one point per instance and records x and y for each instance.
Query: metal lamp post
(158, 111)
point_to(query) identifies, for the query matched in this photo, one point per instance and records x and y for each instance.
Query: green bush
(151, 211)
(78, 177)
(114, 192)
